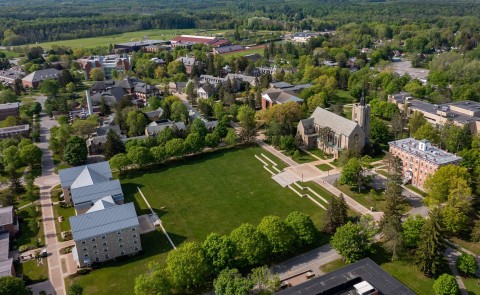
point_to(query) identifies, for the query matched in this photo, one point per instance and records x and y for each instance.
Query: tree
(71, 87)
(231, 137)
(175, 147)
(155, 281)
(187, 266)
(75, 151)
(412, 228)
(431, 244)
(178, 112)
(194, 143)
(231, 282)
(97, 74)
(219, 252)
(352, 241)
(198, 126)
(264, 280)
(416, 121)
(336, 216)
(302, 225)
(246, 116)
(136, 121)
(446, 285)
(467, 264)
(427, 131)
(391, 222)
(49, 87)
(7, 96)
(280, 237)
(158, 153)
(120, 162)
(84, 128)
(447, 178)
(31, 154)
(352, 173)
(212, 140)
(75, 289)
(190, 91)
(379, 131)
(165, 135)
(114, 145)
(251, 246)
(139, 155)
(13, 286)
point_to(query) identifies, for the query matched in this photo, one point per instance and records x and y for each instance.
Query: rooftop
(69, 176)
(6, 215)
(142, 43)
(103, 221)
(42, 75)
(431, 153)
(342, 281)
(10, 105)
(94, 192)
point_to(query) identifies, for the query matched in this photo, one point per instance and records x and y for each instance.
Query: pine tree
(391, 222)
(431, 245)
(114, 145)
(336, 215)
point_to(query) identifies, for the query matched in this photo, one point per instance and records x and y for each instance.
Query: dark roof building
(352, 279)
(138, 45)
(227, 49)
(35, 78)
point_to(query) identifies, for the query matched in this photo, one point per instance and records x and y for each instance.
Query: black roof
(343, 279)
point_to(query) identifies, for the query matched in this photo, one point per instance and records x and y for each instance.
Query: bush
(75, 289)
(83, 271)
(23, 248)
(446, 285)
(467, 264)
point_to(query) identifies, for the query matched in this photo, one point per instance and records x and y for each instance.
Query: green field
(245, 52)
(214, 192)
(34, 271)
(127, 37)
(9, 54)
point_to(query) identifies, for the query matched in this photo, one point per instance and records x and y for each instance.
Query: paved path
(310, 261)
(285, 159)
(452, 256)
(46, 182)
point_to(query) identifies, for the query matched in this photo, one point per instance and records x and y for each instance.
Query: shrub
(75, 289)
(467, 264)
(445, 285)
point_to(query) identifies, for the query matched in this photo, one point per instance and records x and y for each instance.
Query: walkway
(46, 182)
(452, 256)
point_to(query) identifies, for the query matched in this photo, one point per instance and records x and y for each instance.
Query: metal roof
(96, 191)
(102, 204)
(42, 75)
(104, 221)
(6, 215)
(10, 105)
(4, 244)
(69, 175)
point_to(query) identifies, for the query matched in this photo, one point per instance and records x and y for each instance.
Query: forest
(31, 21)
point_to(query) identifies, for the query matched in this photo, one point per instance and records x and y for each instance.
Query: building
(188, 40)
(333, 133)
(227, 49)
(9, 109)
(157, 126)
(120, 63)
(6, 263)
(188, 62)
(34, 79)
(282, 95)
(254, 57)
(112, 91)
(8, 76)
(8, 221)
(15, 131)
(81, 176)
(106, 231)
(303, 37)
(139, 45)
(362, 277)
(461, 113)
(420, 159)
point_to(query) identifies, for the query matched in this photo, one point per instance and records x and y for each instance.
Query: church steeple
(362, 99)
(361, 114)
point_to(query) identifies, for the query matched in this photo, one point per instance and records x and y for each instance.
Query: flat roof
(10, 105)
(14, 129)
(345, 278)
(143, 43)
(431, 154)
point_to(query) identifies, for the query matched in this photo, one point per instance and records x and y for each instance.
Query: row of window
(118, 233)
(107, 256)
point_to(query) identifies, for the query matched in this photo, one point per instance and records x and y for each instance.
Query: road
(46, 182)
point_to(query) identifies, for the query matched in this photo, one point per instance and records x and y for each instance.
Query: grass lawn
(65, 224)
(27, 236)
(472, 285)
(9, 54)
(319, 153)
(471, 246)
(343, 97)
(324, 167)
(33, 273)
(56, 192)
(155, 34)
(304, 157)
(334, 265)
(214, 192)
(417, 190)
(382, 172)
(405, 271)
(367, 199)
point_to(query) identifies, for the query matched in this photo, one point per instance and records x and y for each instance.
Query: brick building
(9, 109)
(420, 159)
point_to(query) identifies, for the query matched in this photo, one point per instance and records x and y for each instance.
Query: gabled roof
(6, 267)
(111, 96)
(230, 48)
(41, 75)
(6, 215)
(103, 203)
(69, 175)
(336, 123)
(4, 245)
(88, 177)
(103, 221)
(157, 113)
(94, 192)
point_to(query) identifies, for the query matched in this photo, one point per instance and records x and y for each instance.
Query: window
(96, 252)
(96, 259)
(104, 243)
(94, 246)
(120, 239)
(104, 237)
(121, 245)
(85, 249)
(136, 249)
(122, 253)
(134, 236)
(83, 242)
(86, 255)
(134, 241)
(106, 256)
(105, 250)
(93, 240)
(133, 229)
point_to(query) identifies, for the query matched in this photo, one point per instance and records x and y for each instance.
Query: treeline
(32, 21)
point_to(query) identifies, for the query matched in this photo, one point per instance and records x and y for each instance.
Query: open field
(214, 192)
(252, 50)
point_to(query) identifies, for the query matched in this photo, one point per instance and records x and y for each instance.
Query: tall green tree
(353, 241)
(431, 244)
(13, 286)
(251, 246)
(336, 215)
(447, 178)
(231, 282)
(303, 226)
(114, 145)
(187, 266)
(155, 281)
(412, 229)
(246, 116)
(280, 237)
(75, 152)
(219, 252)
(446, 285)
